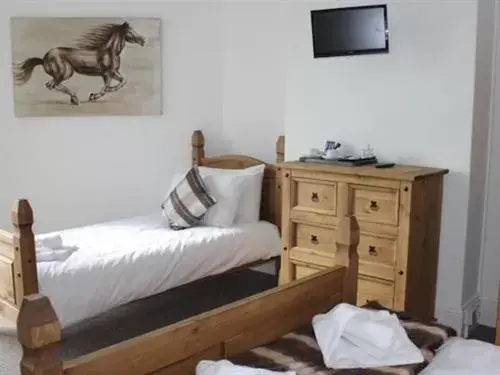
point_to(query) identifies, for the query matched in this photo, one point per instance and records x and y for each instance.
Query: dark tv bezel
(346, 52)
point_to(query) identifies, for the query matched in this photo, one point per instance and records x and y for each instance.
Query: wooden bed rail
(222, 332)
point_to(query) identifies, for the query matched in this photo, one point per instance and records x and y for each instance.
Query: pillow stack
(214, 197)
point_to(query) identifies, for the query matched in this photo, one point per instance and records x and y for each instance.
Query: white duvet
(459, 356)
(122, 261)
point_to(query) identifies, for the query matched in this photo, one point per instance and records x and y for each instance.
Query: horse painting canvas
(86, 66)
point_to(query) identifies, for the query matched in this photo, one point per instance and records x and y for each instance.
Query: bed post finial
(39, 332)
(280, 149)
(198, 147)
(347, 255)
(26, 279)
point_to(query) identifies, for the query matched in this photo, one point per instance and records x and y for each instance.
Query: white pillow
(225, 188)
(249, 206)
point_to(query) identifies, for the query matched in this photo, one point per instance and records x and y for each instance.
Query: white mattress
(459, 356)
(122, 261)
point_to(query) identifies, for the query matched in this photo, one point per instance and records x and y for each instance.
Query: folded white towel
(370, 331)
(225, 367)
(52, 242)
(353, 337)
(45, 254)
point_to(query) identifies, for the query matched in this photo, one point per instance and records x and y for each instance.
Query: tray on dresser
(340, 161)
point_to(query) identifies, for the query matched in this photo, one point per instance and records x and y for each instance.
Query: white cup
(331, 154)
(314, 152)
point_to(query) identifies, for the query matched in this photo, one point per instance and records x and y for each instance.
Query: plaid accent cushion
(188, 202)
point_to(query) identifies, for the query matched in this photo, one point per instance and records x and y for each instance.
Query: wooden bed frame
(219, 333)
(18, 272)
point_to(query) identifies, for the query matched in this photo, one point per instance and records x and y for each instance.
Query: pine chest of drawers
(399, 213)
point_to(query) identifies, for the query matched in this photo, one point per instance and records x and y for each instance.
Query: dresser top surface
(398, 172)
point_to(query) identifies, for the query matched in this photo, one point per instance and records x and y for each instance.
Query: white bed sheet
(122, 261)
(459, 356)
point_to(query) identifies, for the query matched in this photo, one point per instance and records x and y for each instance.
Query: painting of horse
(86, 66)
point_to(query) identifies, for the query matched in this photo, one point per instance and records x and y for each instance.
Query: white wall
(413, 105)
(490, 266)
(253, 76)
(479, 154)
(77, 171)
(253, 79)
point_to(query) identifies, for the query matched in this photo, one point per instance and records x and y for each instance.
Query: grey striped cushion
(188, 202)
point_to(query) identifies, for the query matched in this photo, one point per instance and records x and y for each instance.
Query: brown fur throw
(298, 351)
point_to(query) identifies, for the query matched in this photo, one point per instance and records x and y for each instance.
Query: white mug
(314, 152)
(331, 154)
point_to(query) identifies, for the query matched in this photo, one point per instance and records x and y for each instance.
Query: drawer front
(370, 289)
(304, 271)
(319, 239)
(377, 256)
(318, 259)
(316, 196)
(376, 204)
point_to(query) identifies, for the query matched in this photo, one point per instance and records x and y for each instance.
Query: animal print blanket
(298, 351)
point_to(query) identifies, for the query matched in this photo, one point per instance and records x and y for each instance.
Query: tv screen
(350, 31)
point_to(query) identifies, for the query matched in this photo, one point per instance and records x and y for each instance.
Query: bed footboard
(219, 333)
(18, 274)
(8, 308)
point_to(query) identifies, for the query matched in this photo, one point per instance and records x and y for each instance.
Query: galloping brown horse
(97, 53)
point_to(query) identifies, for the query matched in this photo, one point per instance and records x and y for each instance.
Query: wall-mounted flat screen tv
(350, 31)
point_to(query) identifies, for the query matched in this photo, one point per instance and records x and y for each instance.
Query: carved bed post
(347, 254)
(280, 158)
(39, 332)
(280, 149)
(198, 147)
(25, 273)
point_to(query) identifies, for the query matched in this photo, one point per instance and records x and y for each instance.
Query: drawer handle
(372, 251)
(374, 206)
(314, 239)
(315, 197)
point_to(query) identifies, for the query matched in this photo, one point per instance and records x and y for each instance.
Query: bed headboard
(270, 208)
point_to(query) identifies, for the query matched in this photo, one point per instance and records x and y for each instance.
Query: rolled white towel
(225, 367)
(45, 254)
(51, 242)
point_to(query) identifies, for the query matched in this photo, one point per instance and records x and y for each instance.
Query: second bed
(112, 263)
